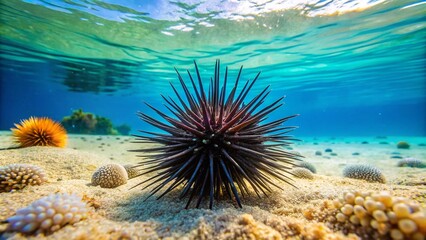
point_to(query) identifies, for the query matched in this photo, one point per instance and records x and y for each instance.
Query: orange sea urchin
(41, 131)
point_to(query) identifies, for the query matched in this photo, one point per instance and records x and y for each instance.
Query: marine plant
(104, 126)
(41, 131)
(110, 176)
(372, 215)
(364, 172)
(48, 214)
(88, 123)
(123, 129)
(18, 176)
(216, 142)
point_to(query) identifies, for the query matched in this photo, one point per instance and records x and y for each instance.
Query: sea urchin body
(39, 132)
(216, 144)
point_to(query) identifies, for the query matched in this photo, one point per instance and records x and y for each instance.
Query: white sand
(121, 213)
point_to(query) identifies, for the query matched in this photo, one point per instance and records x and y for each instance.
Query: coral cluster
(300, 172)
(87, 123)
(308, 166)
(39, 132)
(364, 172)
(403, 145)
(123, 129)
(373, 216)
(411, 162)
(110, 176)
(18, 176)
(48, 214)
(131, 171)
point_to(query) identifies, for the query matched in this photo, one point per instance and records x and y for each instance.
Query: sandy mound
(59, 163)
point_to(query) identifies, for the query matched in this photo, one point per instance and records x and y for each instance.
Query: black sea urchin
(216, 143)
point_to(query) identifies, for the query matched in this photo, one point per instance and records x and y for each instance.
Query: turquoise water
(348, 67)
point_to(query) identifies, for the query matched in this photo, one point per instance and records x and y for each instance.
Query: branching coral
(18, 176)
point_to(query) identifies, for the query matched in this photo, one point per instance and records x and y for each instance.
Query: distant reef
(88, 123)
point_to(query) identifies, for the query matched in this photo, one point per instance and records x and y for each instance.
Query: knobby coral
(308, 166)
(373, 215)
(131, 171)
(364, 172)
(48, 214)
(18, 176)
(411, 162)
(300, 172)
(110, 176)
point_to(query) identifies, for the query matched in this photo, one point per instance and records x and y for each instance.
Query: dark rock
(403, 145)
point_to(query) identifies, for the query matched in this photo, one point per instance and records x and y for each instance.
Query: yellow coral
(374, 215)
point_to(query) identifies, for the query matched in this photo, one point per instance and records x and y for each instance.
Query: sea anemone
(48, 214)
(215, 142)
(18, 176)
(364, 172)
(39, 132)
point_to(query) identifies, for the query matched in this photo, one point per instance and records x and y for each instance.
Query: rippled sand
(122, 213)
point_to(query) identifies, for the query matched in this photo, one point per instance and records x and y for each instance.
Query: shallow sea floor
(122, 213)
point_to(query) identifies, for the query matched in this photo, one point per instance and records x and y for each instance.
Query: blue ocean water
(349, 68)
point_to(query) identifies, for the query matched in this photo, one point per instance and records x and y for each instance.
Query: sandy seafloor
(122, 213)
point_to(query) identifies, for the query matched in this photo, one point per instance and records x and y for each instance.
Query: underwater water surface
(349, 68)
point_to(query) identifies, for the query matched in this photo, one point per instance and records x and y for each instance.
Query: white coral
(48, 214)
